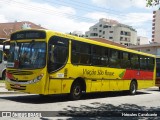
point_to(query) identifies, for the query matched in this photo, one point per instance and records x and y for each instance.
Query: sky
(79, 15)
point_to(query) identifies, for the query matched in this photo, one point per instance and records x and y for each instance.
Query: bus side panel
(55, 86)
(113, 85)
(120, 84)
(88, 86)
(66, 85)
(105, 85)
(145, 83)
(96, 85)
(126, 84)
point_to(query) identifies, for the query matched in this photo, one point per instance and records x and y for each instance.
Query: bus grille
(20, 87)
(15, 72)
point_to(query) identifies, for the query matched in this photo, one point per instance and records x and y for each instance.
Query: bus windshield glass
(27, 55)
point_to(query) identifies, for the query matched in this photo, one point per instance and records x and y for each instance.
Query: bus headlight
(38, 78)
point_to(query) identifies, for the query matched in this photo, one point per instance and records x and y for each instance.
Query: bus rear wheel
(133, 88)
(76, 91)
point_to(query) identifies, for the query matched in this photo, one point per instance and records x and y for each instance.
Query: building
(107, 42)
(142, 40)
(113, 31)
(7, 28)
(153, 48)
(155, 26)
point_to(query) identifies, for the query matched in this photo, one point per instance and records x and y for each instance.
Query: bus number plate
(17, 86)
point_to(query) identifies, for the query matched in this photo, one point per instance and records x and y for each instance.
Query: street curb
(11, 93)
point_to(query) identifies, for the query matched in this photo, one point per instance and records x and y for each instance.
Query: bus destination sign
(28, 35)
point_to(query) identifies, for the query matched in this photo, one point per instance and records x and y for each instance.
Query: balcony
(153, 28)
(154, 20)
(153, 24)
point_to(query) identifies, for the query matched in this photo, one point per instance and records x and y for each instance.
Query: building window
(126, 44)
(147, 50)
(100, 30)
(125, 33)
(105, 26)
(94, 29)
(103, 32)
(110, 31)
(100, 25)
(94, 34)
(110, 37)
(121, 38)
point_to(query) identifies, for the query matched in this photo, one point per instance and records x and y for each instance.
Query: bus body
(157, 83)
(47, 62)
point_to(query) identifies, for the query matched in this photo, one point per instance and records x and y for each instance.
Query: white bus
(3, 62)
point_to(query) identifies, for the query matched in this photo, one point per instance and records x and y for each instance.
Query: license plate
(17, 86)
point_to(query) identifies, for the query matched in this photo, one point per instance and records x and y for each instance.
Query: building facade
(114, 31)
(153, 48)
(142, 40)
(155, 26)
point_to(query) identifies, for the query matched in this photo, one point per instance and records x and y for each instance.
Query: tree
(152, 2)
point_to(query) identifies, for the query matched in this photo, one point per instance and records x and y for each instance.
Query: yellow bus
(46, 62)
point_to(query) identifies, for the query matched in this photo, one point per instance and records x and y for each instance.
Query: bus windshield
(27, 55)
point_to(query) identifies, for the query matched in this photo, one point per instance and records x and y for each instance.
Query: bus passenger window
(135, 61)
(143, 63)
(81, 53)
(150, 62)
(114, 60)
(125, 60)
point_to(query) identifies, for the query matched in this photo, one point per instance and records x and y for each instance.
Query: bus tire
(133, 88)
(4, 75)
(76, 91)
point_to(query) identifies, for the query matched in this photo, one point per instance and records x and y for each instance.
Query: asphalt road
(118, 105)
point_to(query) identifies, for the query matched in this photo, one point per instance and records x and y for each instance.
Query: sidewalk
(3, 90)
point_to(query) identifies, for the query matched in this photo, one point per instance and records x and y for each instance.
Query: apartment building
(142, 40)
(153, 48)
(114, 31)
(155, 26)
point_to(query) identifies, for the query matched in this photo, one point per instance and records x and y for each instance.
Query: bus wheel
(133, 88)
(76, 91)
(4, 75)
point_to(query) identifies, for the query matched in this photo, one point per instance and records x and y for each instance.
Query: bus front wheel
(76, 91)
(133, 88)
(4, 75)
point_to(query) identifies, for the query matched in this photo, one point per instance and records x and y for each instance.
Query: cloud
(120, 4)
(3, 19)
(135, 19)
(59, 18)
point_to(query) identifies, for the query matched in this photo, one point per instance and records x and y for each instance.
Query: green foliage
(152, 3)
